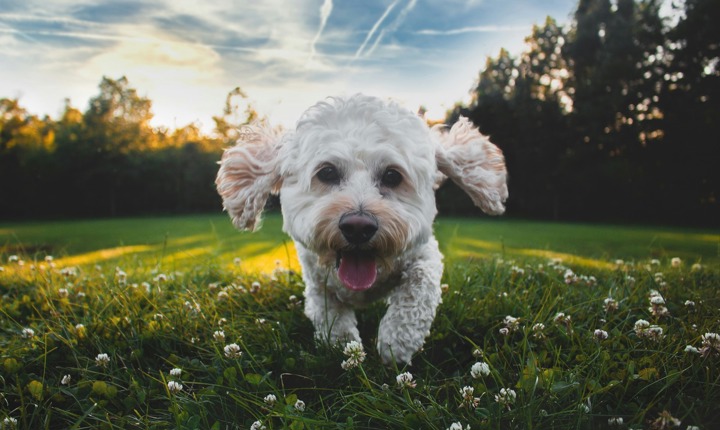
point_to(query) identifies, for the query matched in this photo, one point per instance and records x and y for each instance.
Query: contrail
(325, 11)
(375, 27)
(477, 29)
(393, 26)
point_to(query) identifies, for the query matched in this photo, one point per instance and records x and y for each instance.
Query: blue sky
(286, 55)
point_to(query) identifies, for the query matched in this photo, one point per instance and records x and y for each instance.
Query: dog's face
(356, 181)
(358, 178)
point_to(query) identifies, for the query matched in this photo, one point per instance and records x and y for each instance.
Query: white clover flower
(600, 334)
(63, 292)
(692, 349)
(468, 399)
(570, 277)
(174, 387)
(219, 335)
(655, 262)
(619, 262)
(444, 288)
(665, 421)
(655, 332)
(300, 406)
(675, 262)
(66, 380)
(511, 322)
(405, 380)
(561, 318)
(610, 304)
(355, 353)
(689, 303)
(538, 331)
(232, 351)
(615, 421)
(710, 344)
(693, 428)
(506, 397)
(102, 360)
(479, 369)
(657, 300)
(478, 353)
(257, 425)
(27, 333)
(458, 426)
(9, 423)
(175, 372)
(192, 307)
(237, 261)
(696, 267)
(120, 275)
(222, 296)
(517, 270)
(504, 331)
(270, 400)
(641, 327)
(255, 287)
(13, 259)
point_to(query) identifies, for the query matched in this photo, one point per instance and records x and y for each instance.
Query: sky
(286, 55)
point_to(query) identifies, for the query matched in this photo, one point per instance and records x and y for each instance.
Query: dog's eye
(328, 175)
(391, 178)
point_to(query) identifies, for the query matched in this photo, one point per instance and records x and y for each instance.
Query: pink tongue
(357, 271)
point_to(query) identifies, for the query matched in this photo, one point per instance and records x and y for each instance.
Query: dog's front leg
(411, 308)
(334, 322)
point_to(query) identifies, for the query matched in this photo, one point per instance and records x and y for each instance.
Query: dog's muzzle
(357, 268)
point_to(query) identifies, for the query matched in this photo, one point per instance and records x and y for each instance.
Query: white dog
(356, 181)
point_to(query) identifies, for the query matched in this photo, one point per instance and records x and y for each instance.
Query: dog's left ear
(475, 165)
(249, 173)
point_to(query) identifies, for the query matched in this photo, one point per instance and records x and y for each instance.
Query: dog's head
(357, 179)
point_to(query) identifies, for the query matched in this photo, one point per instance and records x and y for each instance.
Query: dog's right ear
(249, 173)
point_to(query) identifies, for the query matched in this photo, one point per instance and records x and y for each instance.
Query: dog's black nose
(358, 227)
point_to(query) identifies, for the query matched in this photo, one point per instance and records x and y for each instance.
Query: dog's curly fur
(360, 139)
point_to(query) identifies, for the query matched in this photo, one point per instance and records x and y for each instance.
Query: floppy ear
(248, 174)
(475, 165)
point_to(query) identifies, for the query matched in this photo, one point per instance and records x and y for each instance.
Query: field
(182, 322)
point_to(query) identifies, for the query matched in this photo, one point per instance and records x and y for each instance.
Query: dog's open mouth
(357, 270)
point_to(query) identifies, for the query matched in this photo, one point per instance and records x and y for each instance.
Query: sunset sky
(286, 55)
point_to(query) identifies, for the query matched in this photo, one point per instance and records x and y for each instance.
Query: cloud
(475, 29)
(375, 26)
(325, 11)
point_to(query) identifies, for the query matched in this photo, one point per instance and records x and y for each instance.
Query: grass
(153, 294)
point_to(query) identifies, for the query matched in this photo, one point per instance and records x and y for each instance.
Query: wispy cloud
(325, 11)
(393, 26)
(374, 28)
(474, 29)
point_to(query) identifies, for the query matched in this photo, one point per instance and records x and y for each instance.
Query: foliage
(95, 347)
(607, 118)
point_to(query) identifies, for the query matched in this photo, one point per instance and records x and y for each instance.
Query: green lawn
(179, 239)
(152, 324)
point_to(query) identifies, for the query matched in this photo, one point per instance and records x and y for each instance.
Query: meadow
(183, 322)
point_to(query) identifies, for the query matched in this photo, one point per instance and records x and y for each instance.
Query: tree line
(614, 117)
